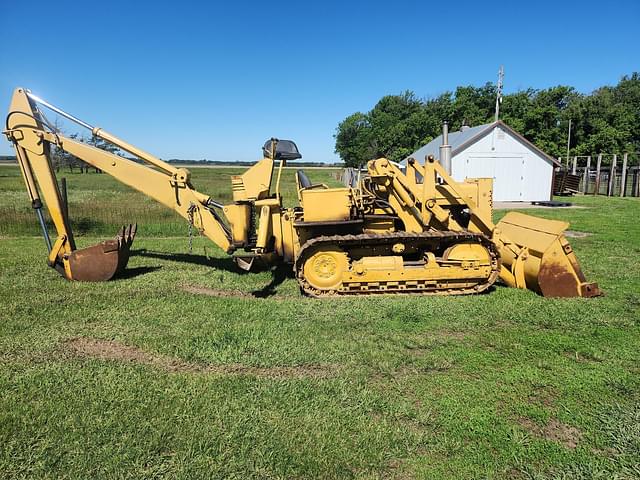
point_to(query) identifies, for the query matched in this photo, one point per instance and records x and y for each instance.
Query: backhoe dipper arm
(174, 191)
(168, 185)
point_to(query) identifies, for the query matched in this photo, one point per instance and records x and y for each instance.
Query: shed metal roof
(462, 139)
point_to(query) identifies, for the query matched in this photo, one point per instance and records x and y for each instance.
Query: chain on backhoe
(190, 211)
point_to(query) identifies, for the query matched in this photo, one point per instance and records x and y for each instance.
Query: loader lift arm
(534, 252)
(27, 129)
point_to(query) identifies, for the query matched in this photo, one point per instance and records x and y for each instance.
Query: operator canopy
(285, 149)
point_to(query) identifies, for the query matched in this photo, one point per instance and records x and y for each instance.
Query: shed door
(507, 173)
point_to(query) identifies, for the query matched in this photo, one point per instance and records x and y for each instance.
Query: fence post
(637, 192)
(612, 176)
(585, 180)
(65, 199)
(623, 181)
(598, 165)
(575, 164)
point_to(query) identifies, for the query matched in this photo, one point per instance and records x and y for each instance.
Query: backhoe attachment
(33, 138)
(26, 129)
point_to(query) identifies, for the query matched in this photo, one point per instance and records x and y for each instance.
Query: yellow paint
(324, 205)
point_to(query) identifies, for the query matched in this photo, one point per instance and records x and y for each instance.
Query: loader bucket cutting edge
(103, 261)
(550, 268)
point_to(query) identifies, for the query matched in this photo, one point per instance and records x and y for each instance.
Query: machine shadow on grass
(136, 271)
(218, 263)
(279, 273)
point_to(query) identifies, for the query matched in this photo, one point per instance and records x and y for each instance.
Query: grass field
(187, 368)
(98, 205)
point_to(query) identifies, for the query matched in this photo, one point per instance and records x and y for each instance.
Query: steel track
(427, 241)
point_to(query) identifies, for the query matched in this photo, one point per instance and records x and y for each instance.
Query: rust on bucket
(103, 261)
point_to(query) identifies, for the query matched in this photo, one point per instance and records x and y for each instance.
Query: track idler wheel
(323, 270)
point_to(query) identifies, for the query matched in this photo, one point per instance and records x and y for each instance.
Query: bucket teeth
(126, 235)
(125, 239)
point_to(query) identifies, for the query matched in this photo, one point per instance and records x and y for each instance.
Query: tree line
(607, 120)
(60, 158)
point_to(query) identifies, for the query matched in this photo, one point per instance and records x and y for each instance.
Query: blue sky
(214, 80)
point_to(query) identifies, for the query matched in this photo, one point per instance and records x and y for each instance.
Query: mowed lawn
(187, 368)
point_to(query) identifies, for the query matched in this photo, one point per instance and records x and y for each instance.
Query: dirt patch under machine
(196, 290)
(553, 430)
(576, 234)
(214, 292)
(110, 350)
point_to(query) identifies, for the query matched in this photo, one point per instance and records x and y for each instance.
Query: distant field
(99, 205)
(187, 368)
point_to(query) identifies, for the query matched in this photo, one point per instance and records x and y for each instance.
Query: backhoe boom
(171, 186)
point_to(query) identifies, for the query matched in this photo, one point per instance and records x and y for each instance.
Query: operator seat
(303, 180)
(303, 183)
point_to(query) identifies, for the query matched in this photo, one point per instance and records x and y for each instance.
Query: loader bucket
(103, 261)
(549, 267)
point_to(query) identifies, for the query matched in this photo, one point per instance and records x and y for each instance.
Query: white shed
(521, 172)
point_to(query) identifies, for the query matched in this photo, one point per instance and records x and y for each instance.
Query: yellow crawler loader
(410, 230)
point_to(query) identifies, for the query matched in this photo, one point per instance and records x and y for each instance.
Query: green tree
(393, 121)
(514, 108)
(608, 119)
(605, 121)
(473, 106)
(353, 140)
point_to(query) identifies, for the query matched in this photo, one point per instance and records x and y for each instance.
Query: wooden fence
(347, 176)
(606, 174)
(603, 174)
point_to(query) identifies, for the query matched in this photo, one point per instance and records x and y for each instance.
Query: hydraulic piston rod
(100, 133)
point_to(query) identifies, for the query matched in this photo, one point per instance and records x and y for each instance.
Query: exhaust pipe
(445, 149)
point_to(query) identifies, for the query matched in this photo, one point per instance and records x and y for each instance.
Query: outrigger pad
(551, 268)
(103, 261)
(244, 263)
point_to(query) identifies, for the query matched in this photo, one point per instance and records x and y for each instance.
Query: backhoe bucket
(535, 252)
(103, 261)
